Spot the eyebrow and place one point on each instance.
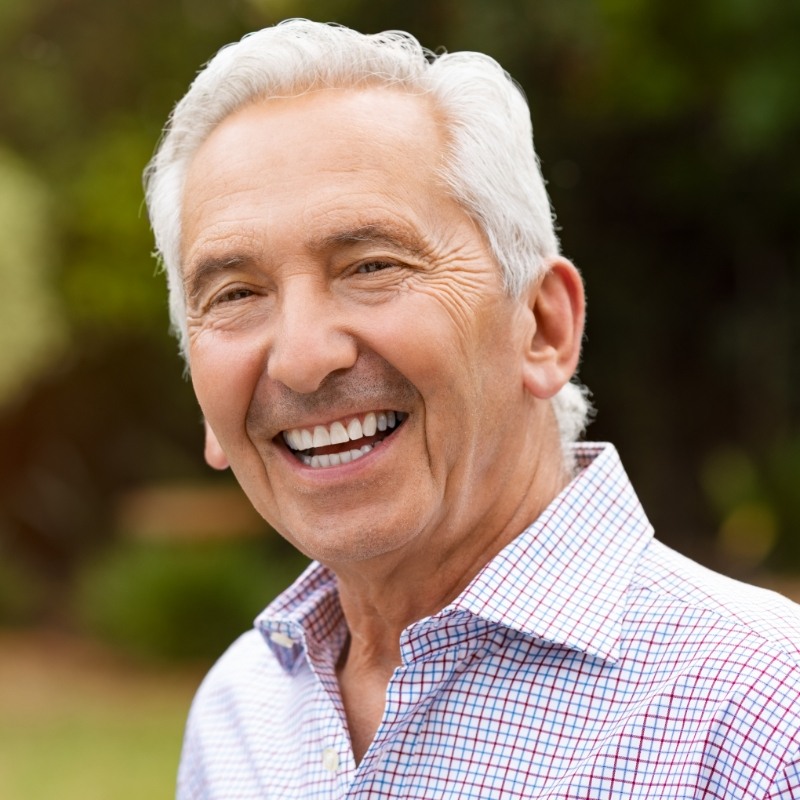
(208, 267)
(389, 235)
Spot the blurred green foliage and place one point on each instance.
(22, 594)
(33, 330)
(669, 139)
(182, 600)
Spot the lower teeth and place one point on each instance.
(335, 459)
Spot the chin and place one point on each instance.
(347, 543)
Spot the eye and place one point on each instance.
(373, 266)
(232, 296)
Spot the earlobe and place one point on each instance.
(214, 455)
(557, 305)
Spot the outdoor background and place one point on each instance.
(670, 138)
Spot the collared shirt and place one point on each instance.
(586, 660)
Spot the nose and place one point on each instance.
(310, 339)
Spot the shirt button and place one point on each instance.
(330, 759)
(281, 639)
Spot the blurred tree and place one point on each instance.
(33, 329)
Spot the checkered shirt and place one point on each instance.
(586, 660)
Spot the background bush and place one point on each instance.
(22, 594)
(182, 600)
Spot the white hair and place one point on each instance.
(491, 167)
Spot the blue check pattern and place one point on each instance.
(587, 660)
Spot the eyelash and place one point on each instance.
(373, 266)
(232, 295)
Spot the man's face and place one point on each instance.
(351, 346)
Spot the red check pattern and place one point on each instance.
(587, 660)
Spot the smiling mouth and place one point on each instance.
(342, 441)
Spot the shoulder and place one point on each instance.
(668, 582)
(241, 717)
(248, 693)
(715, 657)
(240, 676)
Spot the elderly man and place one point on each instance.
(381, 334)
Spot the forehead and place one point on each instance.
(323, 155)
(355, 128)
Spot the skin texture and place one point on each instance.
(329, 274)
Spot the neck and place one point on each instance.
(384, 596)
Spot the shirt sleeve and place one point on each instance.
(787, 783)
(191, 776)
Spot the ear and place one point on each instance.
(213, 451)
(557, 304)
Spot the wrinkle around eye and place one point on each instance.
(224, 312)
(462, 293)
(372, 279)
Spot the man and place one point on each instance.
(381, 335)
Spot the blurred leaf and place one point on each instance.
(110, 281)
(33, 333)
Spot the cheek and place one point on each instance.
(419, 339)
(458, 360)
(224, 380)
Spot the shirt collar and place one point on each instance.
(563, 579)
(305, 617)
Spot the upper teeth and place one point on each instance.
(339, 433)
